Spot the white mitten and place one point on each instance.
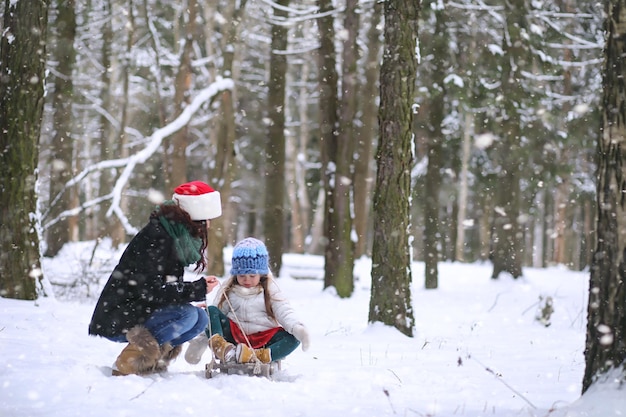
(300, 332)
(197, 347)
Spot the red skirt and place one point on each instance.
(257, 340)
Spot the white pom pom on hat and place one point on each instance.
(199, 200)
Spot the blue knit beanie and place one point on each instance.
(250, 257)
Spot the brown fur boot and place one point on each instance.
(141, 354)
(168, 354)
(223, 350)
(247, 355)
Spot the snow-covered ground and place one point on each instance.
(478, 350)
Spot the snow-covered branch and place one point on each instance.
(155, 140)
(153, 143)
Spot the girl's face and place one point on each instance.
(249, 280)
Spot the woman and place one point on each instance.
(251, 319)
(145, 302)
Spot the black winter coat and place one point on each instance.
(148, 276)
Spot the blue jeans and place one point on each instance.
(175, 324)
(280, 345)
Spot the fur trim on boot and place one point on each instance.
(141, 354)
(168, 355)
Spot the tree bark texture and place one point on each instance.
(342, 248)
(62, 146)
(297, 145)
(605, 346)
(363, 168)
(507, 249)
(432, 235)
(222, 172)
(328, 113)
(390, 301)
(180, 141)
(106, 225)
(22, 65)
(275, 145)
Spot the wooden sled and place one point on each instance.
(266, 370)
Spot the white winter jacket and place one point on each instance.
(248, 309)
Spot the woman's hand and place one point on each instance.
(211, 282)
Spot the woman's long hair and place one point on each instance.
(196, 229)
(264, 283)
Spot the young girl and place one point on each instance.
(145, 302)
(250, 318)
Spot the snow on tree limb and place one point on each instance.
(155, 140)
(153, 143)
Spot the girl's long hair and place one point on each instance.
(196, 229)
(264, 283)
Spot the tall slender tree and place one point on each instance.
(222, 172)
(390, 301)
(183, 84)
(606, 321)
(438, 50)
(329, 120)
(274, 224)
(62, 146)
(507, 249)
(106, 224)
(367, 133)
(341, 249)
(22, 65)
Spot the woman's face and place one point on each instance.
(249, 280)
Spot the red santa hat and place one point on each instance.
(199, 200)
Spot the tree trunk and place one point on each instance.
(561, 197)
(62, 146)
(316, 246)
(328, 99)
(118, 234)
(221, 175)
(106, 225)
(390, 301)
(363, 167)
(22, 66)
(341, 253)
(605, 346)
(589, 233)
(274, 222)
(180, 141)
(505, 240)
(432, 226)
(468, 131)
(297, 146)
(507, 250)
(296, 227)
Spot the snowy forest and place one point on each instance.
(278, 105)
(120, 73)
